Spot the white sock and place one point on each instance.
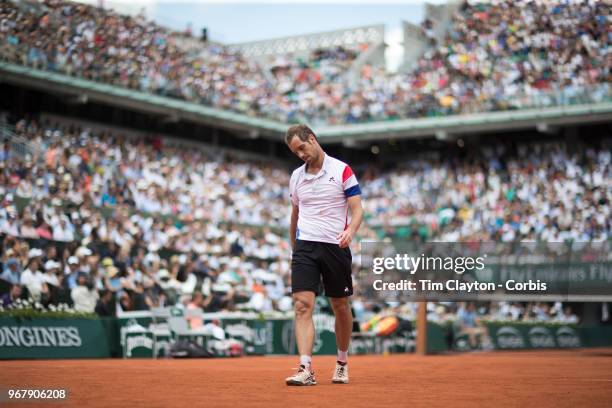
(342, 356)
(305, 360)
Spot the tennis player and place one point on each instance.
(322, 191)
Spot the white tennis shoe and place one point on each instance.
(341, 374)
(304, 376)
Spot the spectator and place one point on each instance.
(470, 324)
(125, 302)
(51, 270)
(221, 298)
(8, 299)
(193, 317)
(260, 301)
(153, 294)
(568, 316)
(105, 307)
(112, 279)
(12, 273)
(34, 280)
(70, 278)
(84, 295)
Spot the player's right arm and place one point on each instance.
(293, 226)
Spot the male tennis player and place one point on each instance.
(322, 191)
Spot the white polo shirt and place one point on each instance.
(322, 200)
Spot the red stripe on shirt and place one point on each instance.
(347, 173)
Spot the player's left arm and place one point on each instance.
(354, 203)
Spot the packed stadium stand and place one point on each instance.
(98, 220)
(159, 221)
(495, 56)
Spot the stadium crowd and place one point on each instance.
(467, 312)
(151, 224)
(105, 198)
(310, 87)
(100, 221)
(538, 192)
(498, 55)
(99, 45)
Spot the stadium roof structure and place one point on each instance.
(298, 44)
(368, 40)
(365, 132)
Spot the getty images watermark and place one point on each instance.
(496, 271)
(459, 265)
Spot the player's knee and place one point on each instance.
(302, 308)
(340, 305)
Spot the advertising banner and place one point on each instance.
(52, 338)
(512, 336)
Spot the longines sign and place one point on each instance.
(40, 336)
(52, 338)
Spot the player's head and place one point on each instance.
(303, 143)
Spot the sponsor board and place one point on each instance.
(568, 337)
(52, 338)
(509, 337)
(138, 344)
(532, 336)
(40, 336)
(541, 337)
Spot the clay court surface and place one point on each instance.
(580, 378)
